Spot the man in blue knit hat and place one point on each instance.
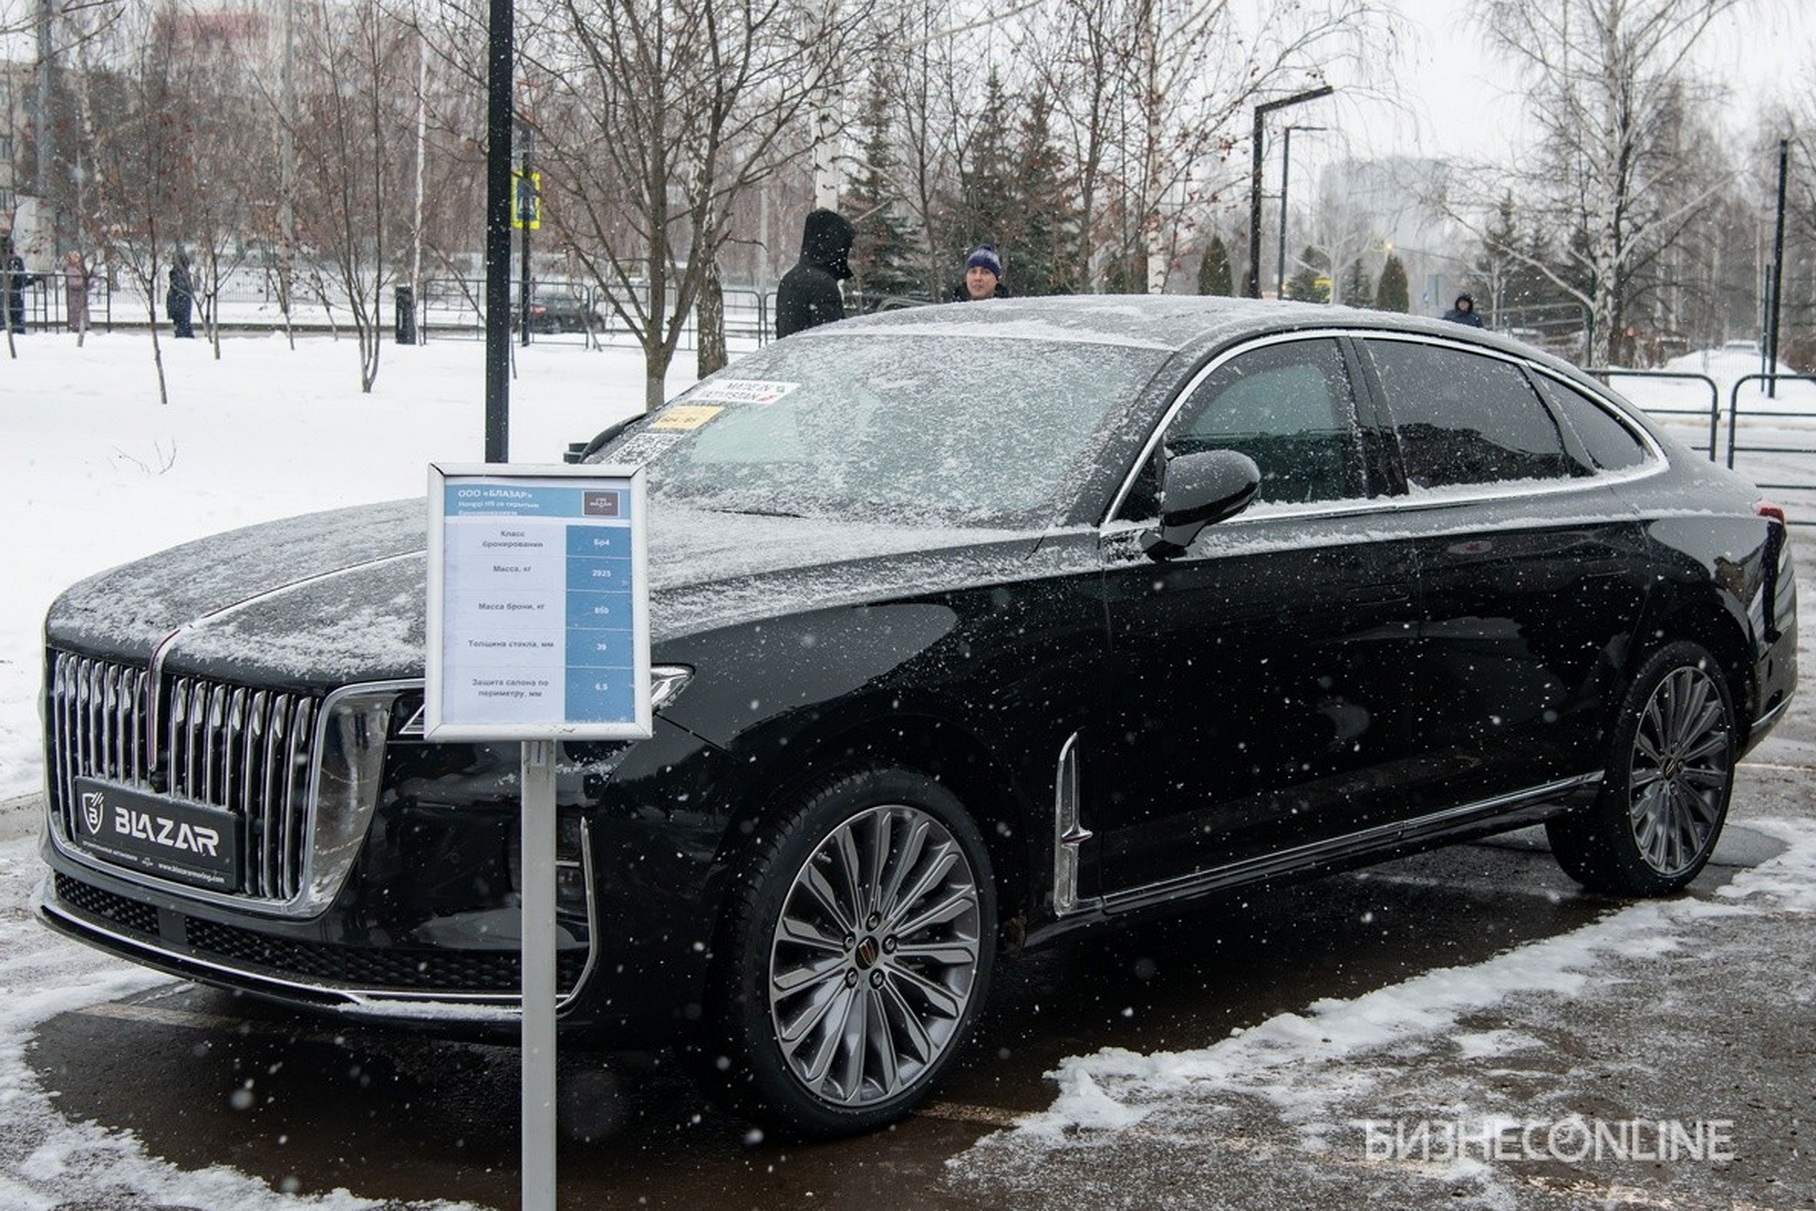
(983, 277)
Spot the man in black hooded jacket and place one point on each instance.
(1463, 311)
(809, 293)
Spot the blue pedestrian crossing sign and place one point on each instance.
(526, 200)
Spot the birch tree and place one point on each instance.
(1608, 82)
(1158, 94)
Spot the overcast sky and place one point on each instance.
(1466, 101)
(1460, 100)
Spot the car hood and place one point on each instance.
(329, 598)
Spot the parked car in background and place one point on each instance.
(553, 311)
(973, 627)
(870, 304)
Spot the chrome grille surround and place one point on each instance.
(300, 772)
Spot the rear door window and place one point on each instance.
(1610, 444)
(1465, 418)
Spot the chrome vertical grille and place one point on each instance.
(244, 750)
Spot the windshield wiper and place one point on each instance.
(760, 512)
(578, 452)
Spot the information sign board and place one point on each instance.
(538, 611)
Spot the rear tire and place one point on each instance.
(1665, 791)
(856, 955)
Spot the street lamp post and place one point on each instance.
(1252, 283)
(1286, 160)
(1771, 333)
(500, 51)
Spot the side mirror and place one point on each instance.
(1200, 490)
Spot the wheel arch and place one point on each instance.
(1715, 622)
(922, 741)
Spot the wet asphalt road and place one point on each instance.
(202, 1077)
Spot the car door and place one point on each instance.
(1256, 679)
(1531, 572)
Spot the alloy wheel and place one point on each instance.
(1682, 759)
(874, 956)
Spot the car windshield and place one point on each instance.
(904, 428)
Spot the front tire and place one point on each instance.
(856, 956)
(1665, 792)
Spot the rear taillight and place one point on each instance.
(1770, 511)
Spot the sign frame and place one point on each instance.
(442, 629)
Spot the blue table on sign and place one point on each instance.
(600, 648)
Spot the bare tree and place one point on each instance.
(134, 113)
(350, 189)
(225, 166)
(652, 117)
(1155, 96)
(1608, 81)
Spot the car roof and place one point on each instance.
(1182, 323)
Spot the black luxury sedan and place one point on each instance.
(972, 627)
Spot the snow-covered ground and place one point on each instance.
(100, 473)
(1539, 1078)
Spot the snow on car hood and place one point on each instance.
(329, 598)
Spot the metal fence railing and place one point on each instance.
(1776, 450)
(444, 307)
(456, 307)
(46, 303)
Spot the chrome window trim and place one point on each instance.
(1185, 393)
(1600, 396)
(1657, 463)
(310, 900)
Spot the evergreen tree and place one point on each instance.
(880, 253)
(1214, 270)
(1358, 288)
(1042, 229)
(1391, 293)
(986, 209)
(1310, 282)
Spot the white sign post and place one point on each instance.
(538, 631)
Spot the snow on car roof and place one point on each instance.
(1144, 321)
(1174, 322)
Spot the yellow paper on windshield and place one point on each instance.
(685, 416)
